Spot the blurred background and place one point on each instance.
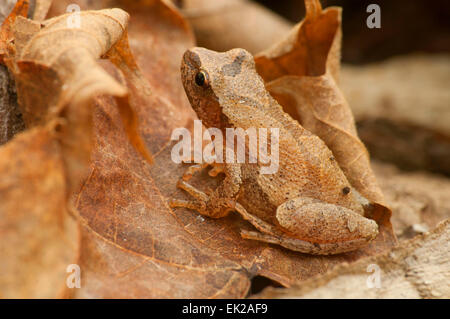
(407, 26)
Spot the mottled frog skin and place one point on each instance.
(308, 205)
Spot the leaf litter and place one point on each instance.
(130, 243)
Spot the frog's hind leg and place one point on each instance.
(295, 244)
(344, 229)
(257, 222)
(270, 234)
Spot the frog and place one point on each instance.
(307, 205)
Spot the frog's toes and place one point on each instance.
(368, 229)
(195, 205)
(194, 192)
(216, 170)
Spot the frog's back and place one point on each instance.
(306, 167)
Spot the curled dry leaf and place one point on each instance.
(38, 238)
(43, 166)
(58, 76)
(418, 268)
(301, 72)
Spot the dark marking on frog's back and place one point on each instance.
(234, 68)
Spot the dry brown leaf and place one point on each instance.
(301, 72)
(56, 94)
(312, 47)
(418, 268)
(58, 76)
(134, 245)
(38, 238)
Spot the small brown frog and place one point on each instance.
(307, 205)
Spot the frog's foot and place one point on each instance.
(202, 203)
(273, 235)
(194, 169)
(195, 205)
(198, 203)
(216, 170)
(200, 198)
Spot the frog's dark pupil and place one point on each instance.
(200, 78)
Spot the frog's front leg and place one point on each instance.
(221, 201)
(316, 227)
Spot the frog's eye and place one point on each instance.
(201, 79)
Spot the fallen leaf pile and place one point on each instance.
(86, 117)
